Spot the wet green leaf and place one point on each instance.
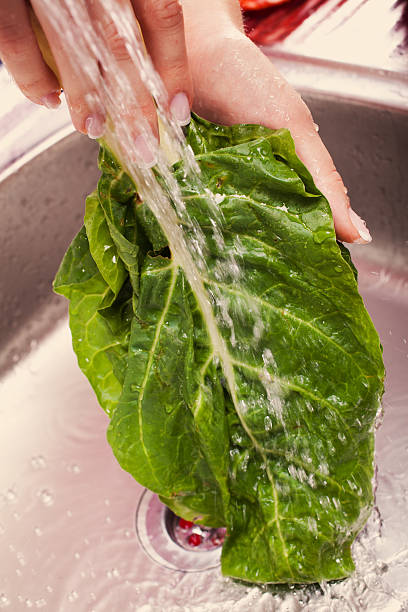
(274, 437)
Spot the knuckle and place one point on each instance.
(334, 177)
(35, 85)
(12, 40)
(144, 107)
(147, 110)
(137, 114)
(176, 75)
(116, 43)
(167, 14)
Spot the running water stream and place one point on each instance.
(114, 94)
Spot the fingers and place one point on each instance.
(313, 153)
(80, 85)
(162, 26)
(139, 104)
(163, 30)
(311, 150)
(22, 56)
(247, 88)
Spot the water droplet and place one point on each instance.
(74, 468)
(113, 573)
(4, 601)
(46, 497)
(21, 559)
(38, 462)
(72, 596)
(40, 603)
(320, 236)
(11, 496)
(268, 423)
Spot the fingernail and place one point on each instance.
(144, 151)
(180, 108)
(51, 100)
(95, 126)
(359, 224)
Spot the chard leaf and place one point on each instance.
(93, 340)
(169, 383)
(273, 436)
(101, 245)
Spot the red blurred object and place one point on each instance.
(255, 5)
(195, 539)
(183, 524)
(277, 23)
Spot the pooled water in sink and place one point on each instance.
(67, 510)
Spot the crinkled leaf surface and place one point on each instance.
(282, 454)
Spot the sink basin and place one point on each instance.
(78, 533)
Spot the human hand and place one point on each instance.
(234, 82)
(161, 22)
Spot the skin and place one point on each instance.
(205, 61)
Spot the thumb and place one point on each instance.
(247, 88)
(311, 150)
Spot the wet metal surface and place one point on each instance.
(67, 511)
(372, 33)
(69, 539)
(352, 49)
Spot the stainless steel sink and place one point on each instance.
(76, 532)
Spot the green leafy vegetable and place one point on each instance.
(280, 450)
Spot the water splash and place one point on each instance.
(113, 95)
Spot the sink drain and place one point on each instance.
(189, 536)
(174, 543)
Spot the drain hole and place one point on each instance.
(190, 536)
(173, 542)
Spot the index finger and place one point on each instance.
(22, 56)
(162, 25)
